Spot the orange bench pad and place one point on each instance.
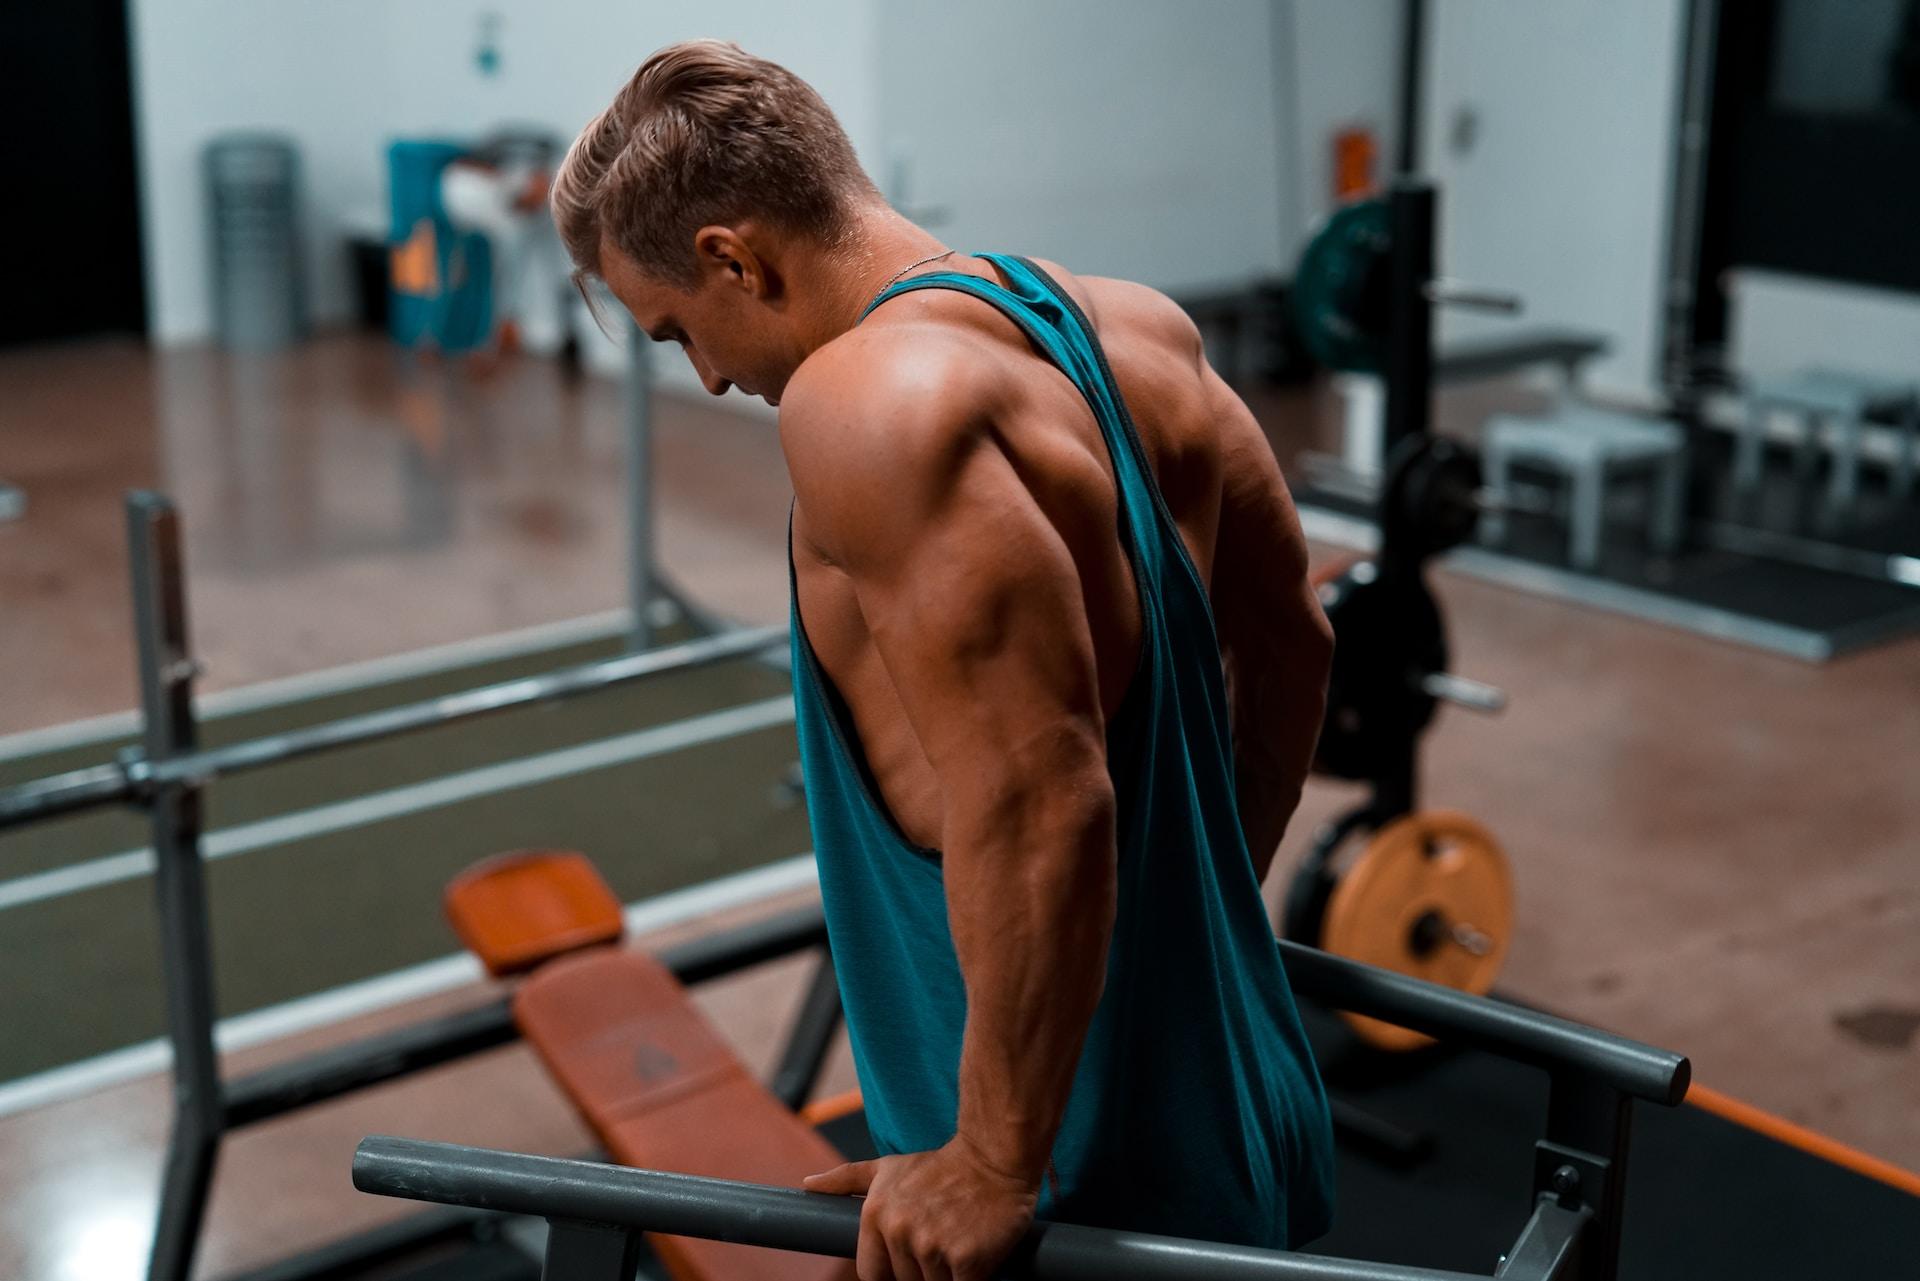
(664, 1092)
(516, 911)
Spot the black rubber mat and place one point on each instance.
(1707, 1200)
(1759, 582)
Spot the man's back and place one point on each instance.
(964, 352)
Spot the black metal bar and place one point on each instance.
(590, 1252)
(788, 1219)
(141, 775)
(812, 1035)
(432, 713)
(375, 1060)
(1643, 1071)
(1548, 1246)
(68, 793)
(1408, 365)
(166, 704)
(1686, 213)
(286, 1087)
(713, 956)
(1413, 42)
(1583, 1161)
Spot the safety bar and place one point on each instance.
(584, 1192)
(1511, 1031)
(134, 776)
(386, 1056)
(68, 793)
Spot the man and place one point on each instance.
(1041, 559)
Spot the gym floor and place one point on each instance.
(1712, 845)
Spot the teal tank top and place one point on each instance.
(1196, 1109)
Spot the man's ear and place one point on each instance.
(724, 253)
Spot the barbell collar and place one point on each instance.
(1475, 696)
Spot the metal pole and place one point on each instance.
(434, 713)
(1692, 138)
(1408, 368)
(166, 703)
(386, 1056)
(1413, 41)
(1573, 1050)
(585, 1192)
(1582, 1162)
(814, 1027)
(69, 793)
(639, 415)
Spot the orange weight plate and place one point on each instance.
(1430, 896)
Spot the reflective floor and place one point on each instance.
(342, 502)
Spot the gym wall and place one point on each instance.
(345, 77)
(1550, 129)
(1339, 65)
(1781, 322)
(1182, 153)
(1146, 148)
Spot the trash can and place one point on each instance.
(259, 302)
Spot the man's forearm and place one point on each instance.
(1031, 904)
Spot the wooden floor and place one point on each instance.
(1716, 850)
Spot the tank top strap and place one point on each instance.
(1062, 335)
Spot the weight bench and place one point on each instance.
(1589, 448)
(642, 1066)
(1848, 401)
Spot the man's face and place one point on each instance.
(729, 326)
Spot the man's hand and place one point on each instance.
(945, 1215)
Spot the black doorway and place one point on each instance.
(70, 252)
(1814, 166)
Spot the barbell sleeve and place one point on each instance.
(1475, 696)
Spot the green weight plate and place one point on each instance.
(1339, 291)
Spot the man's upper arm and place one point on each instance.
(970, 594)
(1260, 589)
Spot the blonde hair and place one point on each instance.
(704, 133)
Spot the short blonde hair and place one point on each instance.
(704, 133)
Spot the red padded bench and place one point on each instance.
(640, 1063)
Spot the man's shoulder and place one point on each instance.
(885, 417)
(903, 391)
(1118, 306)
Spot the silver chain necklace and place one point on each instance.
(910, 266)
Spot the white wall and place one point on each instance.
(1781, 323)
(1136, 140)
(1564, 195)
(1342, 69)
(345, 77)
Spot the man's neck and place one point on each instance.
(881, 246)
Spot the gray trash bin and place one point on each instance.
(253, 198)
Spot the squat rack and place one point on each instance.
(167, 775)
(596, 1213)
